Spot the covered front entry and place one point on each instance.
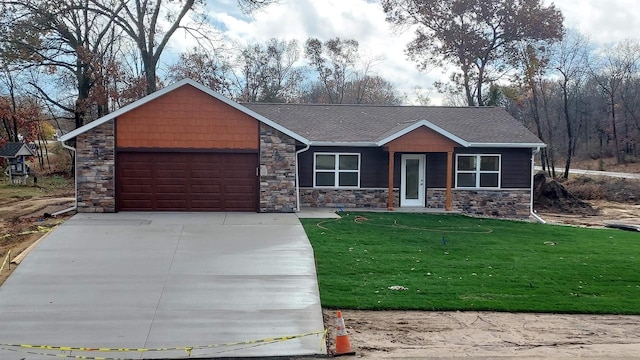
(412, 146)
(187, 181)
(412, 184)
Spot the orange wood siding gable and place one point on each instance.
(421, 139)
(187, 118)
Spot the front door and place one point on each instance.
(412, 184)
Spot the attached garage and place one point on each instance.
(186, 181)
(185, 148)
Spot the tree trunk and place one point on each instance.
(467, 86)
(619, 159)
(567, 119)
(536, 118)
(150, 77)
(480, 101)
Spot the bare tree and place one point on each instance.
(334, 61)
(616, 66)
(150, 24)
(477, 36)
(66, 41)
(141, 21)
(571, 62)
(534, 65)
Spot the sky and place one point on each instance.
(604, 22)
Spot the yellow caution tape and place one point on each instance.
(187, 349)
(65, 356)
(5, 260)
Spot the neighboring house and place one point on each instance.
(15, 153)
(187, 148)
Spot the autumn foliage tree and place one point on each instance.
(478, 37)
(204, 67)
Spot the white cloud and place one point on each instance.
(347, 19)
(602, 21)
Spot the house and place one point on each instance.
(187, 148)
(15, 153)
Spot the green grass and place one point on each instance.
(47, 185)
(454, 262)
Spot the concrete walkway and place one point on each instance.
(595, 173)
(156, 280)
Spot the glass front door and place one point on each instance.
(412, 187)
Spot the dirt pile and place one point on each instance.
(549, 194)
(625, 191)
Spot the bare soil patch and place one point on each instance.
(608, 211)
(487, 335)
(23, 221)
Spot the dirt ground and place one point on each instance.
(22, 222)
(491, 335)
(487, 335)
(609, 212)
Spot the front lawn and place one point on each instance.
(454, 262)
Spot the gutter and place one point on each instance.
(75, 179)
(531, 211)
(298, 176)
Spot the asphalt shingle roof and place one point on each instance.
(370, 124)
(11, 149)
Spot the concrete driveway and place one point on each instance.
(158, 280)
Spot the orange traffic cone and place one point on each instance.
(343, 345)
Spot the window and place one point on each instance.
(336, 170)
(478, 171)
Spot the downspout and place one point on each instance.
(531, 211)
(75, 178)
(298, 177)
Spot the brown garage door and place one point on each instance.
(186, 181)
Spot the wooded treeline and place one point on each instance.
(68, 62)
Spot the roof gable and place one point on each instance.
(419, 124)
(14, 149)
(168, 90)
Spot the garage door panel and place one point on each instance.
(206, 190)
(139, 205)
(187, 181)
(206, 173)
(137, 188)
(238, 190)
(171, 191)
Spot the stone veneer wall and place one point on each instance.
(503, 203)
(277, 171)
(95, 152)
(346, 198)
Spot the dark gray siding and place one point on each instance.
(436, 170)
(516, 165)
(373, 165)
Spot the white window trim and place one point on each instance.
(336, 170)
(478, 172)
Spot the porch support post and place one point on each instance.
(448, 200)
(391, 166)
